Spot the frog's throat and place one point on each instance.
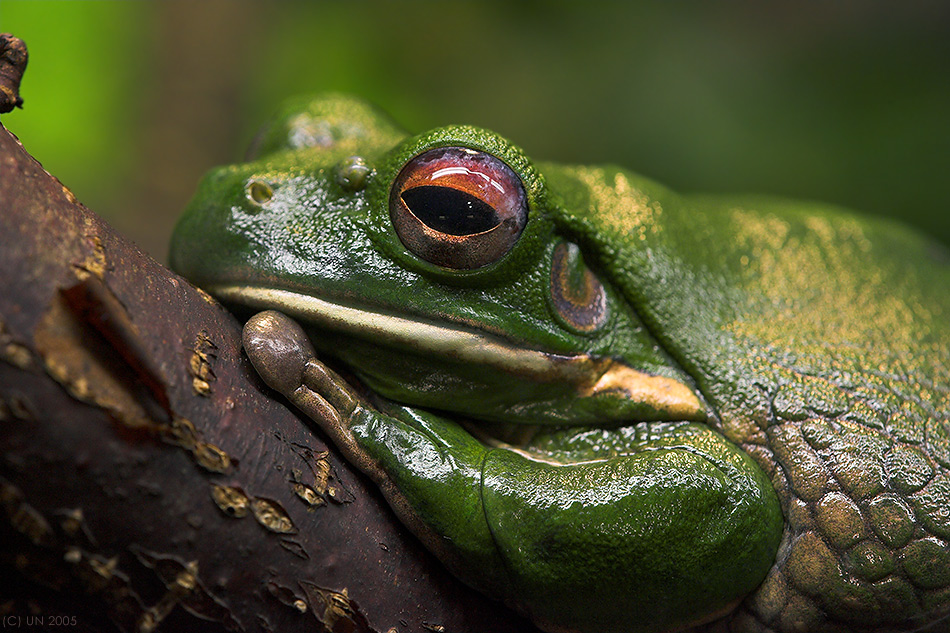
(590, 376)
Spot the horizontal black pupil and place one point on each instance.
(449, 210)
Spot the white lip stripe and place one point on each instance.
(452, 342)
(589, 376)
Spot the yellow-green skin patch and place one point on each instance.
(823, 341)
(817, 340)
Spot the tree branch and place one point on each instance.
(148, 475)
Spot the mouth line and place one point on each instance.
(589, 375)
(453, 342)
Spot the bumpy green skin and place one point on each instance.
(823, 341)
(674, 528)
(820, 342)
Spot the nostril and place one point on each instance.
(259, 192)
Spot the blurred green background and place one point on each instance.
(128, 103)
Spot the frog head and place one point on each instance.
(440, 268)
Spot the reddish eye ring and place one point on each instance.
(458, 208)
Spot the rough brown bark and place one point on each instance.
(148, 480)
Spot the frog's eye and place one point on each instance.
(458, 207)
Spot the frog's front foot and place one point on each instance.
(285, 359)
(375, 442)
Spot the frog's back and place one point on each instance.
(822, 340)
(839, 356)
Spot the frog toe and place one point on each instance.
(278, 348)
(283, 356)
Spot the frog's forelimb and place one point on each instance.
(536, 533)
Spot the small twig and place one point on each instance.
(13, 58)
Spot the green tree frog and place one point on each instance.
(613, 407)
